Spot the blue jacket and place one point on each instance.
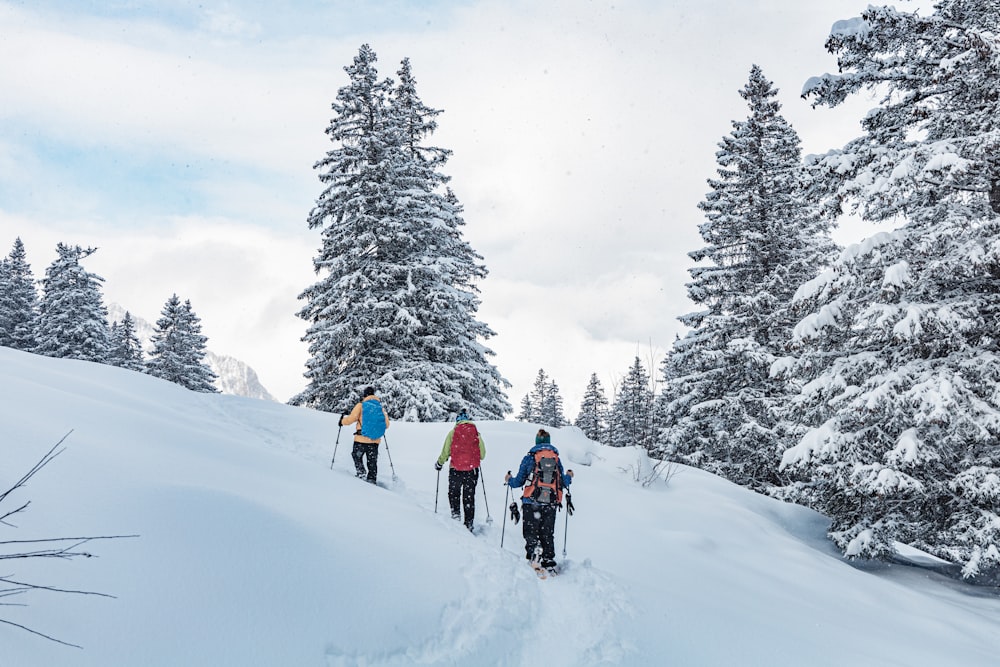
(528, 465)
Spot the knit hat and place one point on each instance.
(462, 416)
(542, 437)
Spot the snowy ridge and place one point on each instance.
(252, 551)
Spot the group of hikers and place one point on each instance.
(540, 473)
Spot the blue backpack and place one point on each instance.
(372, 419)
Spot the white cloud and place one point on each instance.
(582, 138)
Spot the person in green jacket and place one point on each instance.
(465, 447)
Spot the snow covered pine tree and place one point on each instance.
(764, 238)
(18, 300)
(72, 320)
(543, 405)
(632, 414)
(179, 348)
(126, 350)
(593, 416)
(900, 348)
(396, 304)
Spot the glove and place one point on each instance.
(515, 515)
(569, 504)
(340, 422)
(438, 466)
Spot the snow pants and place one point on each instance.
(369, 451)
(539, 525)
(462, 494)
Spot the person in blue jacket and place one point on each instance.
(541, 473)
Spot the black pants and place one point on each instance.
(365, 450)
(539, 526)
(462, 493)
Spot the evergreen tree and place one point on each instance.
(632, 414)
(594, 414)
(72, 320)
(5, 325)
(18, 300)
(126, 349)
(763, 238)
(179, 348)
(551, 410)
(898, 355)
(396, 305)
(543, 405)
(527, 413)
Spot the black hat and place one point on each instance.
(369, 391)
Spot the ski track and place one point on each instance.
(507, 610)
(584, 609)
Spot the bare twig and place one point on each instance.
(3, 518)
(651, 470)
(25, 586)
(40, 634)
(45, 460)
(57, 547)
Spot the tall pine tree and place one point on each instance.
(527, 413)
(550, 411)
(763, 239)
(72, 319)
(126, 349)
(179, 348)
(898, 354)
(632, 413)
(18, 300)
(396, 303)
(593, 416)
(543, 404)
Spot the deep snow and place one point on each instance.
(252, 551)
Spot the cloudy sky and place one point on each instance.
(178, 136)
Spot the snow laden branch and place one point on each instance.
(54, 547)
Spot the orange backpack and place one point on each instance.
(545, 484)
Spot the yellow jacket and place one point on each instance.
(355, 416)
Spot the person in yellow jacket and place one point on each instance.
(372, 422)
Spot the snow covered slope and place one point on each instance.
(252, 551)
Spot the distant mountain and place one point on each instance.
(234, 376)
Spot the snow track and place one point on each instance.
(502, 611)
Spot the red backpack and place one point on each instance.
(465, 447)
(545, 484)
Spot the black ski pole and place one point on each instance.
(569, 510)
(437, 489)
(505, 497)
(391, 467)
(340, 426)
(489, 519)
